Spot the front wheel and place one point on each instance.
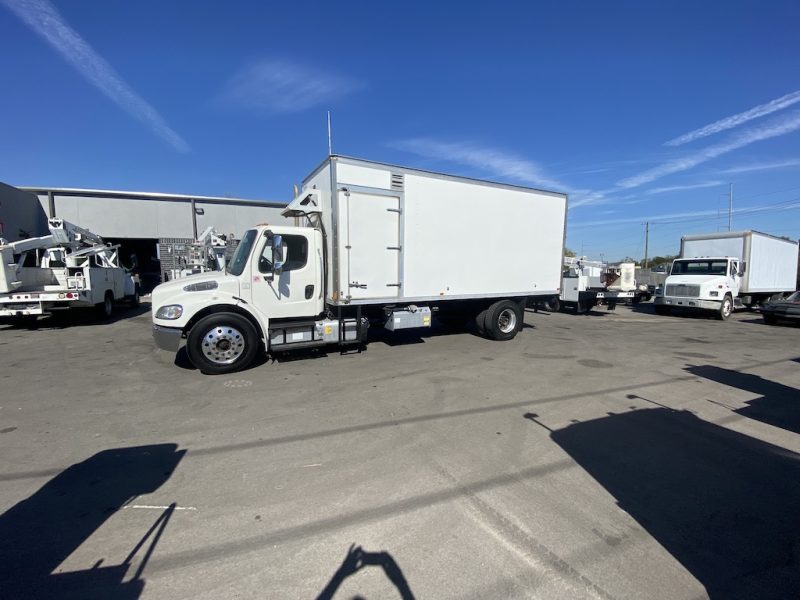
(769, 319)
(503, 320)
(662, 310)
(725, 309)
(222, 343)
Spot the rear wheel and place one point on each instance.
(222, 343)
(106, 308)
(554, 304)
(503, 320)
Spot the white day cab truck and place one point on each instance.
(382, 245)
(70, 268)
(720, 272)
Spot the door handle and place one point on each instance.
(309, 291)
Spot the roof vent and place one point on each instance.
(398, 181)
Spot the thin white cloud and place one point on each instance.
(279, 86)
(497, 163)
(739, 119)
(777, 127)
(655, 219)
(45, 20)
(681, 188)
(782, 164)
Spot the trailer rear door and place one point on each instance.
(371, 235)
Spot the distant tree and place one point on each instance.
(661, 260)
(568, 252)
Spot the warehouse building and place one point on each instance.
(142, 223)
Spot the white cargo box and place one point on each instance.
(400, 234)
(770, 262)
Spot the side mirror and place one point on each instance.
(278, 253)
(742, 268)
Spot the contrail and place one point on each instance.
(739, 119)
(775, 128)
(44, 19)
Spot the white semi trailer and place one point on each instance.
(719, 272)
(71, 267)
(382, 244)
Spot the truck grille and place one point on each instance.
(681, 289)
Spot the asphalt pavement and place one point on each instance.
(613, 455)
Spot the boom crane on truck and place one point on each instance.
(71, 267)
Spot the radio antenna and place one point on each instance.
(330, 144)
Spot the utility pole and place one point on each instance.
(646, 241)
(730, 207)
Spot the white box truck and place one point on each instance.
(380, 244)
(719, 272)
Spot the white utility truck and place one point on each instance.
(71, 267)
(207, 253)
(382, 244)
(719, 272)
(587, 283)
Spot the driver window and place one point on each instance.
(296, 254)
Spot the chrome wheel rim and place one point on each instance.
(507, 320)
(223, 344)
(726, 308)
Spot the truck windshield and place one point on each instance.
(242, 252)
(700, 267)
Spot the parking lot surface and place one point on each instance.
(613, 455)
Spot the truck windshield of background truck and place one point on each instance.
(242, 252)
(700, 267)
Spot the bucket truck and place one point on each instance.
(71, 267)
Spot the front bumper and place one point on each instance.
(680, 302)
(167, 338)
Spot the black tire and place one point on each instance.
(136, 299)
(503, 320)
(769, 319)
(554, 304)
(662, 310)
(725, 309)
(105, 309)
(480, 321)
(222, 343)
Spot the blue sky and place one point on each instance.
(639, 110)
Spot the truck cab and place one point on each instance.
(275, 276)
(702, 283)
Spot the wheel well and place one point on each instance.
(219, 308)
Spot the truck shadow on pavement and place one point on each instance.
(357, 558)
(42, 531)
(76, 317)
(723, 504)
(779, 404)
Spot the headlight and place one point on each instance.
(170, 312)
(200, 287)
(714, 294)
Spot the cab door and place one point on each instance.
(294, 291)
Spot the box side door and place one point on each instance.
(370, 236)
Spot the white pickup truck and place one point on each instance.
(720, 272)
(382, 244)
